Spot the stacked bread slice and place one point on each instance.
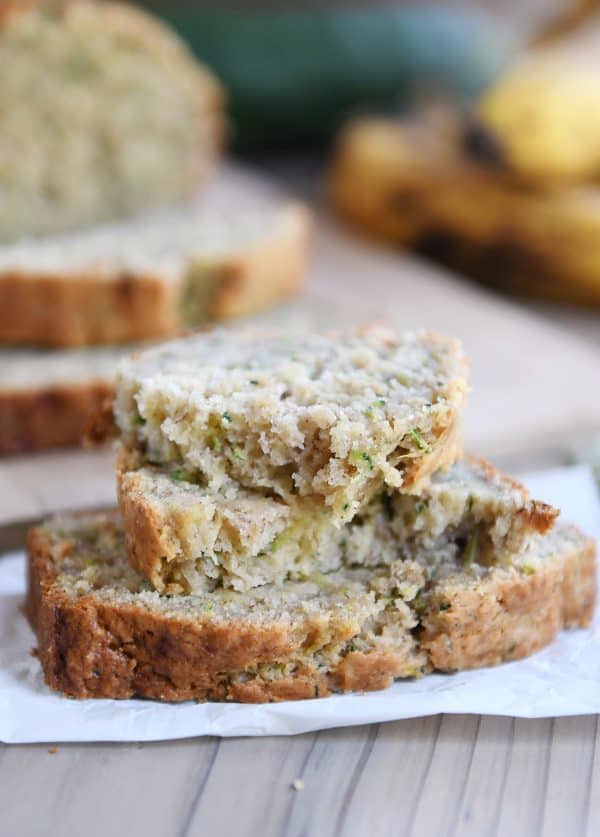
(109, 233)
(137, 280)
(297, 519)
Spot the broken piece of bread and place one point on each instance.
(323, 422)
(186, 538)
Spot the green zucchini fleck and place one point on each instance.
(358, 457)
(214, 442)
(471, 550)
(180, 475)
(419, 441)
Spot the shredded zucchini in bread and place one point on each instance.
(186, 538)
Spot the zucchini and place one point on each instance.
(294, 74)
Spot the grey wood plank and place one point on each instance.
(458, 775)
(521, 814)
(134, 789)
(249, 789)
(479, 806)
(443, 784)
(569, 777)
(330, 775)
(382, 798)
(593, 802)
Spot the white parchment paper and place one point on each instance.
(563, 679)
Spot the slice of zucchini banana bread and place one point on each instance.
(183, 537)
(102, 632)
(155, 275)
(321, 421)
(49, 398)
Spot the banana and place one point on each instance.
(543, 118)
(403, 182)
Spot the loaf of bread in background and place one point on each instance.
(191, 269)
(103, 112)
(48, 398)
(236, 248)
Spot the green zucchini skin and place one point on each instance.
(293, 75)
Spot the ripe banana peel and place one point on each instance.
(417, 183)
(543, 118)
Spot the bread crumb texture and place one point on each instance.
(186, 538)
(320, 421)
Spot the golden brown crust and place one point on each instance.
(47, 417)
(268, 272)
(539, 516)
(511, 615)
(85, 309)
(579, 588)
(303, 685)
(377, 669)
(91, 648)
(447, 450)
(93, 308)
(143, 532)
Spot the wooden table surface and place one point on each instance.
(449, 775)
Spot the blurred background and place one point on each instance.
(497, 100)
(448, 152)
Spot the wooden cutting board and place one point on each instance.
(535, 387)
